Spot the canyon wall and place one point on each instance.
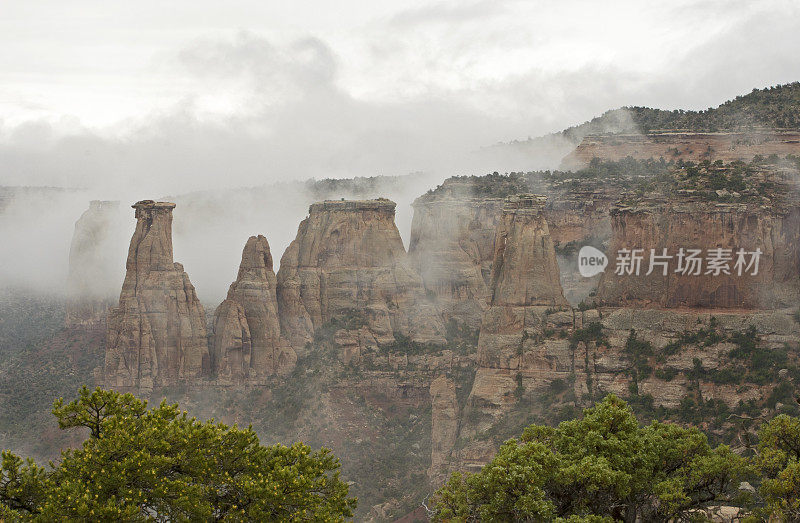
(452, 247)
(157, 333)
(704, 227)
(348, 266)
(687, 146)
(92, 272)
(247, 344)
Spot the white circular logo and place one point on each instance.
(591, 261)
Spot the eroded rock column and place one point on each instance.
(93, 271)
(526, 302)
(247, 342)
(157, 334)
(348, 266)
(452, 246)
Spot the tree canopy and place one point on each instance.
(159, 464)
(603, 467)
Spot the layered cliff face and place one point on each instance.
(157, 334)
(444, 428)
(347, 266)
(92, 269)
(526, 297)
(452, 246)
(247, 342)
(687, 146)
(524, 270)
(668, 232)
(579, 217)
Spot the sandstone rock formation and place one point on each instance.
(687, 146)
(524, 270)
(452, 246)
(579, 217)
(444, 430)
(247, 342)
(348, 266)
(706, 226)
(157, 334)
(92, 269)
(526, 299)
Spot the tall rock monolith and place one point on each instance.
(157, 335)
(347, 269)
(93, 271)
(247, 344)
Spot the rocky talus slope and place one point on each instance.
(348, 265)
(91, 273)
(157, 334)
(247, 344)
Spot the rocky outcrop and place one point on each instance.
(526, 300)
(347, 269)
(703, 226)
(444, 429)
(687, 146)
(579, 217)
(247, 344)
(524, 271)
(92, 272)
(157, 334)
(452, 246)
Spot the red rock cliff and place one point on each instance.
(687, 146)
(705, 226)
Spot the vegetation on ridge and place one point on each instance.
(158, 464)
(606, 467)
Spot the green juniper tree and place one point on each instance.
(603, 467)
(159, 464)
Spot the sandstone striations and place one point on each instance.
(687, 146)
(444, 430)
(452, 246)
(665, 278)
(524, 270)
(247, 342)
(347, 268)
(157, 334)
(525, 297)
(92, 272)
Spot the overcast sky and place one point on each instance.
(190, 94)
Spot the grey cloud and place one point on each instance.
(448, 12)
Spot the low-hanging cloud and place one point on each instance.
(265, 109)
